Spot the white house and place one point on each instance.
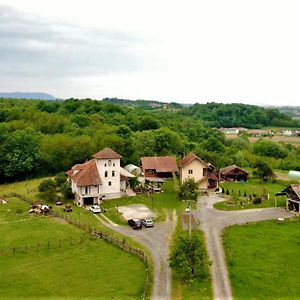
(191, 166)
(99, 178)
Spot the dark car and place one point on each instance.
(135, 223)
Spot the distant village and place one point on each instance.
(260, 132)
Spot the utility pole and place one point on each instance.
(190, 220)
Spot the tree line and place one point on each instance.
(41, 138)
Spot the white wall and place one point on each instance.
(197, 168)
(114, 165)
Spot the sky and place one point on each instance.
(184, 51)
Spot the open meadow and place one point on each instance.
(262, 259)
(45, 257)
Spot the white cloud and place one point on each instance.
(230, 51)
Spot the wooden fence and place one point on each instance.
(15, 195)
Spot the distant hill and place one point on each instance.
(35, 96)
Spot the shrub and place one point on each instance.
(188, 190)
(227, 192)
(257, 200)
(47, 185)
(189, 258)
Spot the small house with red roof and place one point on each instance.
(191, 166)
(99, 178)
(158, 167)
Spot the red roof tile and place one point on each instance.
(189, 158)
(162, 164)
(107, 153)
(87, 175)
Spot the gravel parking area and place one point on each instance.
(133, 211)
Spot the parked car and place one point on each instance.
(135, 223)
(95, 209)
(148, 222)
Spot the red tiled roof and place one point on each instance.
(162, 164)
(189, 158)
(107, 153)
(88, 174)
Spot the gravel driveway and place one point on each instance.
(212, 222)
(157, 241)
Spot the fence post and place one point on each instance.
(26, 248)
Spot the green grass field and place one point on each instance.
(88, 268)
(263, 260)
(26, 188)
(250, 187)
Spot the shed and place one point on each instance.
(233, 173)
(293, 197)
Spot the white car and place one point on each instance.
(148, 223)
(95, 209)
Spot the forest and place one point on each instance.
(41, 138)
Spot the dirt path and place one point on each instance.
(157, 241)
(212, 222)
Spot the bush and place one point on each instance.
(227, 192)
(188, 258)
(257, 200)
(188, 190)
(47, 185)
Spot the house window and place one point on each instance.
(113, 173)
(114, 164)
(204, 172)
(105, 173)
(86, 190)
(190, 172)
(109, 183)
(109, 163)
(105, 165)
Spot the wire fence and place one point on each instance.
(41, 246)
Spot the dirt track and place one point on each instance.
(157, 241)
(212, 222)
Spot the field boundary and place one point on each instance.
(39, 246)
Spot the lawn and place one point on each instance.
(27, 188)
(263, 260)
(87, 268)
(253, 186)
